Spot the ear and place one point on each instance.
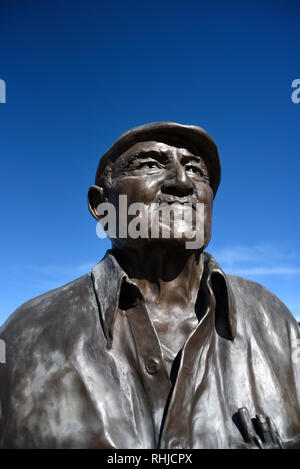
(95, 197)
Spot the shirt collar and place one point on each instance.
(108, 277)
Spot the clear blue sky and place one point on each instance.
(79, 73)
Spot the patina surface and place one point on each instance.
(157, 347)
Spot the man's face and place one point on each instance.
(154, 173)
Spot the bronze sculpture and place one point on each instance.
(156, 347)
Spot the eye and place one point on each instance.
(148, 164)
(193, 170)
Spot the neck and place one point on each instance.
(167, 275)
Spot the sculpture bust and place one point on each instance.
(157, 347)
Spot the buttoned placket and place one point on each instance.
(169, 419)
(195, 352)
(150, 357)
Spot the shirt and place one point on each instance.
(83, 372)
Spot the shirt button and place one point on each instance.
(152, 366)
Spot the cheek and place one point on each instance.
(204, 195)
(207, 221)
(121, 187)
(137, 189)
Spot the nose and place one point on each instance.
(177, 181)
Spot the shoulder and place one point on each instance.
(53, 307)
(258, 303)
(45, 334)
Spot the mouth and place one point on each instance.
(177, 200)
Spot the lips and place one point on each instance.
(177, 200)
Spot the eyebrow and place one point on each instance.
(162, 157)
(187, 158)
(158, 155)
